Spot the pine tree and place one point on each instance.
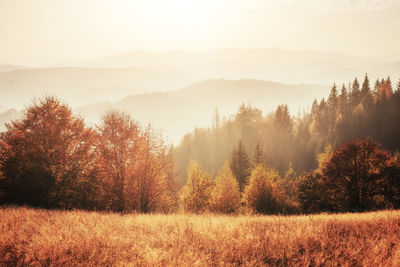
(365, 89)
(240, 165)
(283, 120)
(366, 95)
(258, 157)
(343, 100)
(314, 108)
(389, 83)
(355, 93)
(376, 87)
(332, 104)
(332, 99)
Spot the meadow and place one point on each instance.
(37, 237)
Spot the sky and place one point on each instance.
(42, 32)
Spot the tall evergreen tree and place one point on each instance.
(343, 100)
(332, 103)
(258, 157)
(389, 83)
(283, 120)
(366, 95)
(314, 108)
(332, 99)
(355, 93)
(365, 89)
(240, 165)
(376, 87)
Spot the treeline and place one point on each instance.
(322, 160)
(352, 112)
(358, 176)
(51, 159)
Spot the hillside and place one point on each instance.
(140, 71)
(79, 86)
(78, 238)
(265, 64)
(180, 111)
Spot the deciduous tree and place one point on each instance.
(225, 197)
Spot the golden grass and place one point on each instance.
(54, 238)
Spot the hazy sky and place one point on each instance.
(49, 31)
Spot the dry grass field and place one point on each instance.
(77, 238)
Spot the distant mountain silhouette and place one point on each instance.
(180, 111)
(266, 64)
(111, 78)
(81, 85)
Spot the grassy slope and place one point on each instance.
(39, 237)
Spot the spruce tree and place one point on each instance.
(376, 87)
(332, 103)
(343, 100)
(258, 157)
(240, 165)
(355, 93)
(365, 89)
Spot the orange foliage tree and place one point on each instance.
(47, 158)
(136, 166)
(225, 196)
(263, 193)
(196, 194)
(360, 176)
(118, 146)
(154, 185)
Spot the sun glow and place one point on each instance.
(169, 20)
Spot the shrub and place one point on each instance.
(225, 197)
(263, 194)
(197, 191)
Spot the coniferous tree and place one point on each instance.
(355, 93)
(258, 157)
(314, 108)
(332, 99)
(376, 87)
(332, 106)
(365, 89)
(343, 103)
(240, 165)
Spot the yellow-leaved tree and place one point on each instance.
(197, 191)
(225, 197)
(263, 193)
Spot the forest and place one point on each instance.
(342, 154)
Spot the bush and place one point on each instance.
(197, 191)
(225, 197)
(263, 194)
